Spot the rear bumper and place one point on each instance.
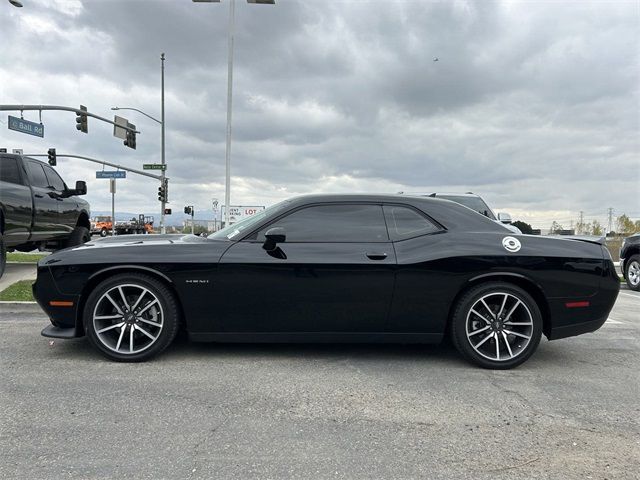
(577, 328)
(569, 319)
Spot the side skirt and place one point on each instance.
(314, 337)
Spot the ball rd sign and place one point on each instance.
(237, 213)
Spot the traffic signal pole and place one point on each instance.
(77, 111)
(163, 204)
(102, 162)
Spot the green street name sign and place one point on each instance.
(153, 166)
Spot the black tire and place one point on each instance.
(168, 307)
(104, 232)
(632, 272)
(3, 255)
(78, 236)
(465, 324)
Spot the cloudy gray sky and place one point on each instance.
(534, 105)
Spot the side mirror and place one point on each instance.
(504, 217)
(273, 237)
(81, 188)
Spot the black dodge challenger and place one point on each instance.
(333, 268)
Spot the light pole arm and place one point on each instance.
(139, 111)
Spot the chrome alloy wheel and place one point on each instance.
(128, 319)
(499, 326)
(633, 273)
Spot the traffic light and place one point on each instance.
(162, 193)
(167, 211)
(81, 121)
(131, 137)
(188, 210)
(51, 153)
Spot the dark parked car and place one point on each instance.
(333, 268)
(630, 261)
(37, 209)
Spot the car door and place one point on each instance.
(15, 197)
(45, 204)
(334, 273)
(67, 207)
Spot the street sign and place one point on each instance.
(153, 166)
(25, 126)
(111, 174)
(118, 131)
(239, 212)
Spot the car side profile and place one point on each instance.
(37, 209)
(333, 268)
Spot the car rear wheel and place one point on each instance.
(632, 273)
(496, 325)
(131, 317)
(103, 232)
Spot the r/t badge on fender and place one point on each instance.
(511, 244)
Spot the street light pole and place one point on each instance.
(227, 183)
(232, 11)
(163, 204)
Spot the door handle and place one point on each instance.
(377, 256)
(37, 195)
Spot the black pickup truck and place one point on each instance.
(37, 209)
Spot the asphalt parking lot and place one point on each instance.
(309, 411)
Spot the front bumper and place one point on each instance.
(63, 316)
(56, 332)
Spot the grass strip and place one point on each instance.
(18, 292)
(25, 257)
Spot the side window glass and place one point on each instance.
(404, 222)
(54, 179)
(9, 170)
(333, 223)
(38, 178)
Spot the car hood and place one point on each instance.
(141, 249)
(150, 239)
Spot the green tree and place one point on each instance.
(524, 227)
(596, 228)
(625, 226)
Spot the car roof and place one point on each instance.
(449, 214)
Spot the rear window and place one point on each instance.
(38, 178)
(405, 222)
(9, 170)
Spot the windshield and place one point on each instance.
(234, 231)
(474, 203)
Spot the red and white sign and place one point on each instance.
(240, 212)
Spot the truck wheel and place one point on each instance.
(3, 255)
(103, 232)
(79, 236)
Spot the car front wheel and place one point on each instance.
(496, 325)
(632, 273)
(131, 317)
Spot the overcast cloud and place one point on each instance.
(533, 105)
